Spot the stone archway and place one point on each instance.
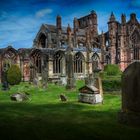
(9, 56)
(42, 42)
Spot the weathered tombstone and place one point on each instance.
(19, 97)
(130, 112)
(36, 81)
(89, 94)
(63, 80)
(63, 98)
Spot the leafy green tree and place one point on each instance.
(14, 75)
(112, 69)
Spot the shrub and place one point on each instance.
(112, 69)
(14, 75)
(112, 85)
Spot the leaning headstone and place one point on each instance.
(63, 98)
(130, 112)
(19, 97)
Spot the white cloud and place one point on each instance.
(43, 12)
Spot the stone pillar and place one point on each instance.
(59, 29)
(98, 85)
(76, 27)
(102, 50)
(112, 27)
(63, 69)
(89, 80)
(50, 67)
(49, 40)
(69, 62)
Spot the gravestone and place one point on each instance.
(63, 80)
(19, 97)
(130, 112)
(89, 94)
(36, 82)
(63, 98)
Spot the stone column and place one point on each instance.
(89, 78)
(69, 62)
(102, 50)
(50, 67)
(63, 68)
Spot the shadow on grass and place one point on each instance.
(64, 121)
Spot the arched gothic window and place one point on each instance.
(135, 45)
(42, 41)
(57, 63)
(78, 63)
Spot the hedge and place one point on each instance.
(112, 69)
(112, 85)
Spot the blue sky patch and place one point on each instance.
(20, 20)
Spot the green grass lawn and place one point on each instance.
(45, 117)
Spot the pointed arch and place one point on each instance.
(135, 42)
(36, 58)
(78, 62)
(58, 62)
(42, 41)
(9, 56)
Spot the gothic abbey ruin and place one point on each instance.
(119, 45)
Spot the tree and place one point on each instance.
(14, 75)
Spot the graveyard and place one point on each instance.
(69, 70)
(45, 116)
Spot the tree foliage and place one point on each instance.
(14, 75)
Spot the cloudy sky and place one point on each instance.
(20, 19)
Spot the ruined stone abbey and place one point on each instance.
(119, 45)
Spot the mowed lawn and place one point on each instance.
(45, 117)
